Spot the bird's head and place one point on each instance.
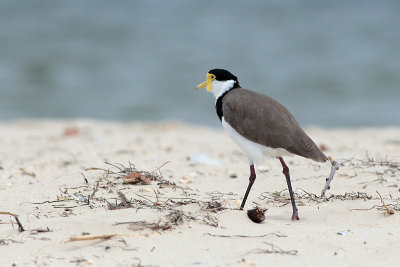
(219, 81)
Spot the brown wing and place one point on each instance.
(265, 121)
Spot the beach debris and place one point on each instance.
(20, 227)
(7, 241)
(283, 198)
(257, 214)
(213, 206)
(248, 263)
(185, 180)
(40, 231)
(385, 171)
(277, 234)
(147, 190)
(28, 173)
(95, 189)
(158, 168)
(273, 249)
(199, 158)
(169, 221)
(388, 210)
(126, 203)
(81, 260)
(157, 226)
(83, 200)
(94, 237)
(136, 177)
(342, 233)
(70, 131)
(109, 191)
(233, 175)
(131, 175)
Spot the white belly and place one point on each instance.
(254, 151)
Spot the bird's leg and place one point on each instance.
(334, 168)
(252, 178)
(289, 184)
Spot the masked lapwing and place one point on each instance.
(261, 126)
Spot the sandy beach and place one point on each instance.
(66, 181)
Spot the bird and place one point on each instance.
(262, 127)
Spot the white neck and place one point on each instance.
(220, 87)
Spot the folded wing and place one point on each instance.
(265, 121)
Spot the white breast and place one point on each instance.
(254, 151)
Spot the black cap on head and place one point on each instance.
(224, 75)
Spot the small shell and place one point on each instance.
(257, 215)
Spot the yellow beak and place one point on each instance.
(208, 82)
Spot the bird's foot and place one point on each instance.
(295, 215)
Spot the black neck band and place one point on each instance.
(218, 104)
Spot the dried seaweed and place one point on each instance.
(283, 197)
(126, 203)
(389, 208)
(156, 226)
(106, 191)
(169, 221)
(213, 206)
(383, 168)
(273, 249)
(120, 171)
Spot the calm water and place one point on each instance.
(335, 63)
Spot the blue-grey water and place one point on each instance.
(332, 63)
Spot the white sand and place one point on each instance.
(40, 161)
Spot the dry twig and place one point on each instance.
(125, 201)
(277, 234)
(388, 210)
(20, 227)
(94, 237)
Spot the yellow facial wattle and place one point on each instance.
(207, 83)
